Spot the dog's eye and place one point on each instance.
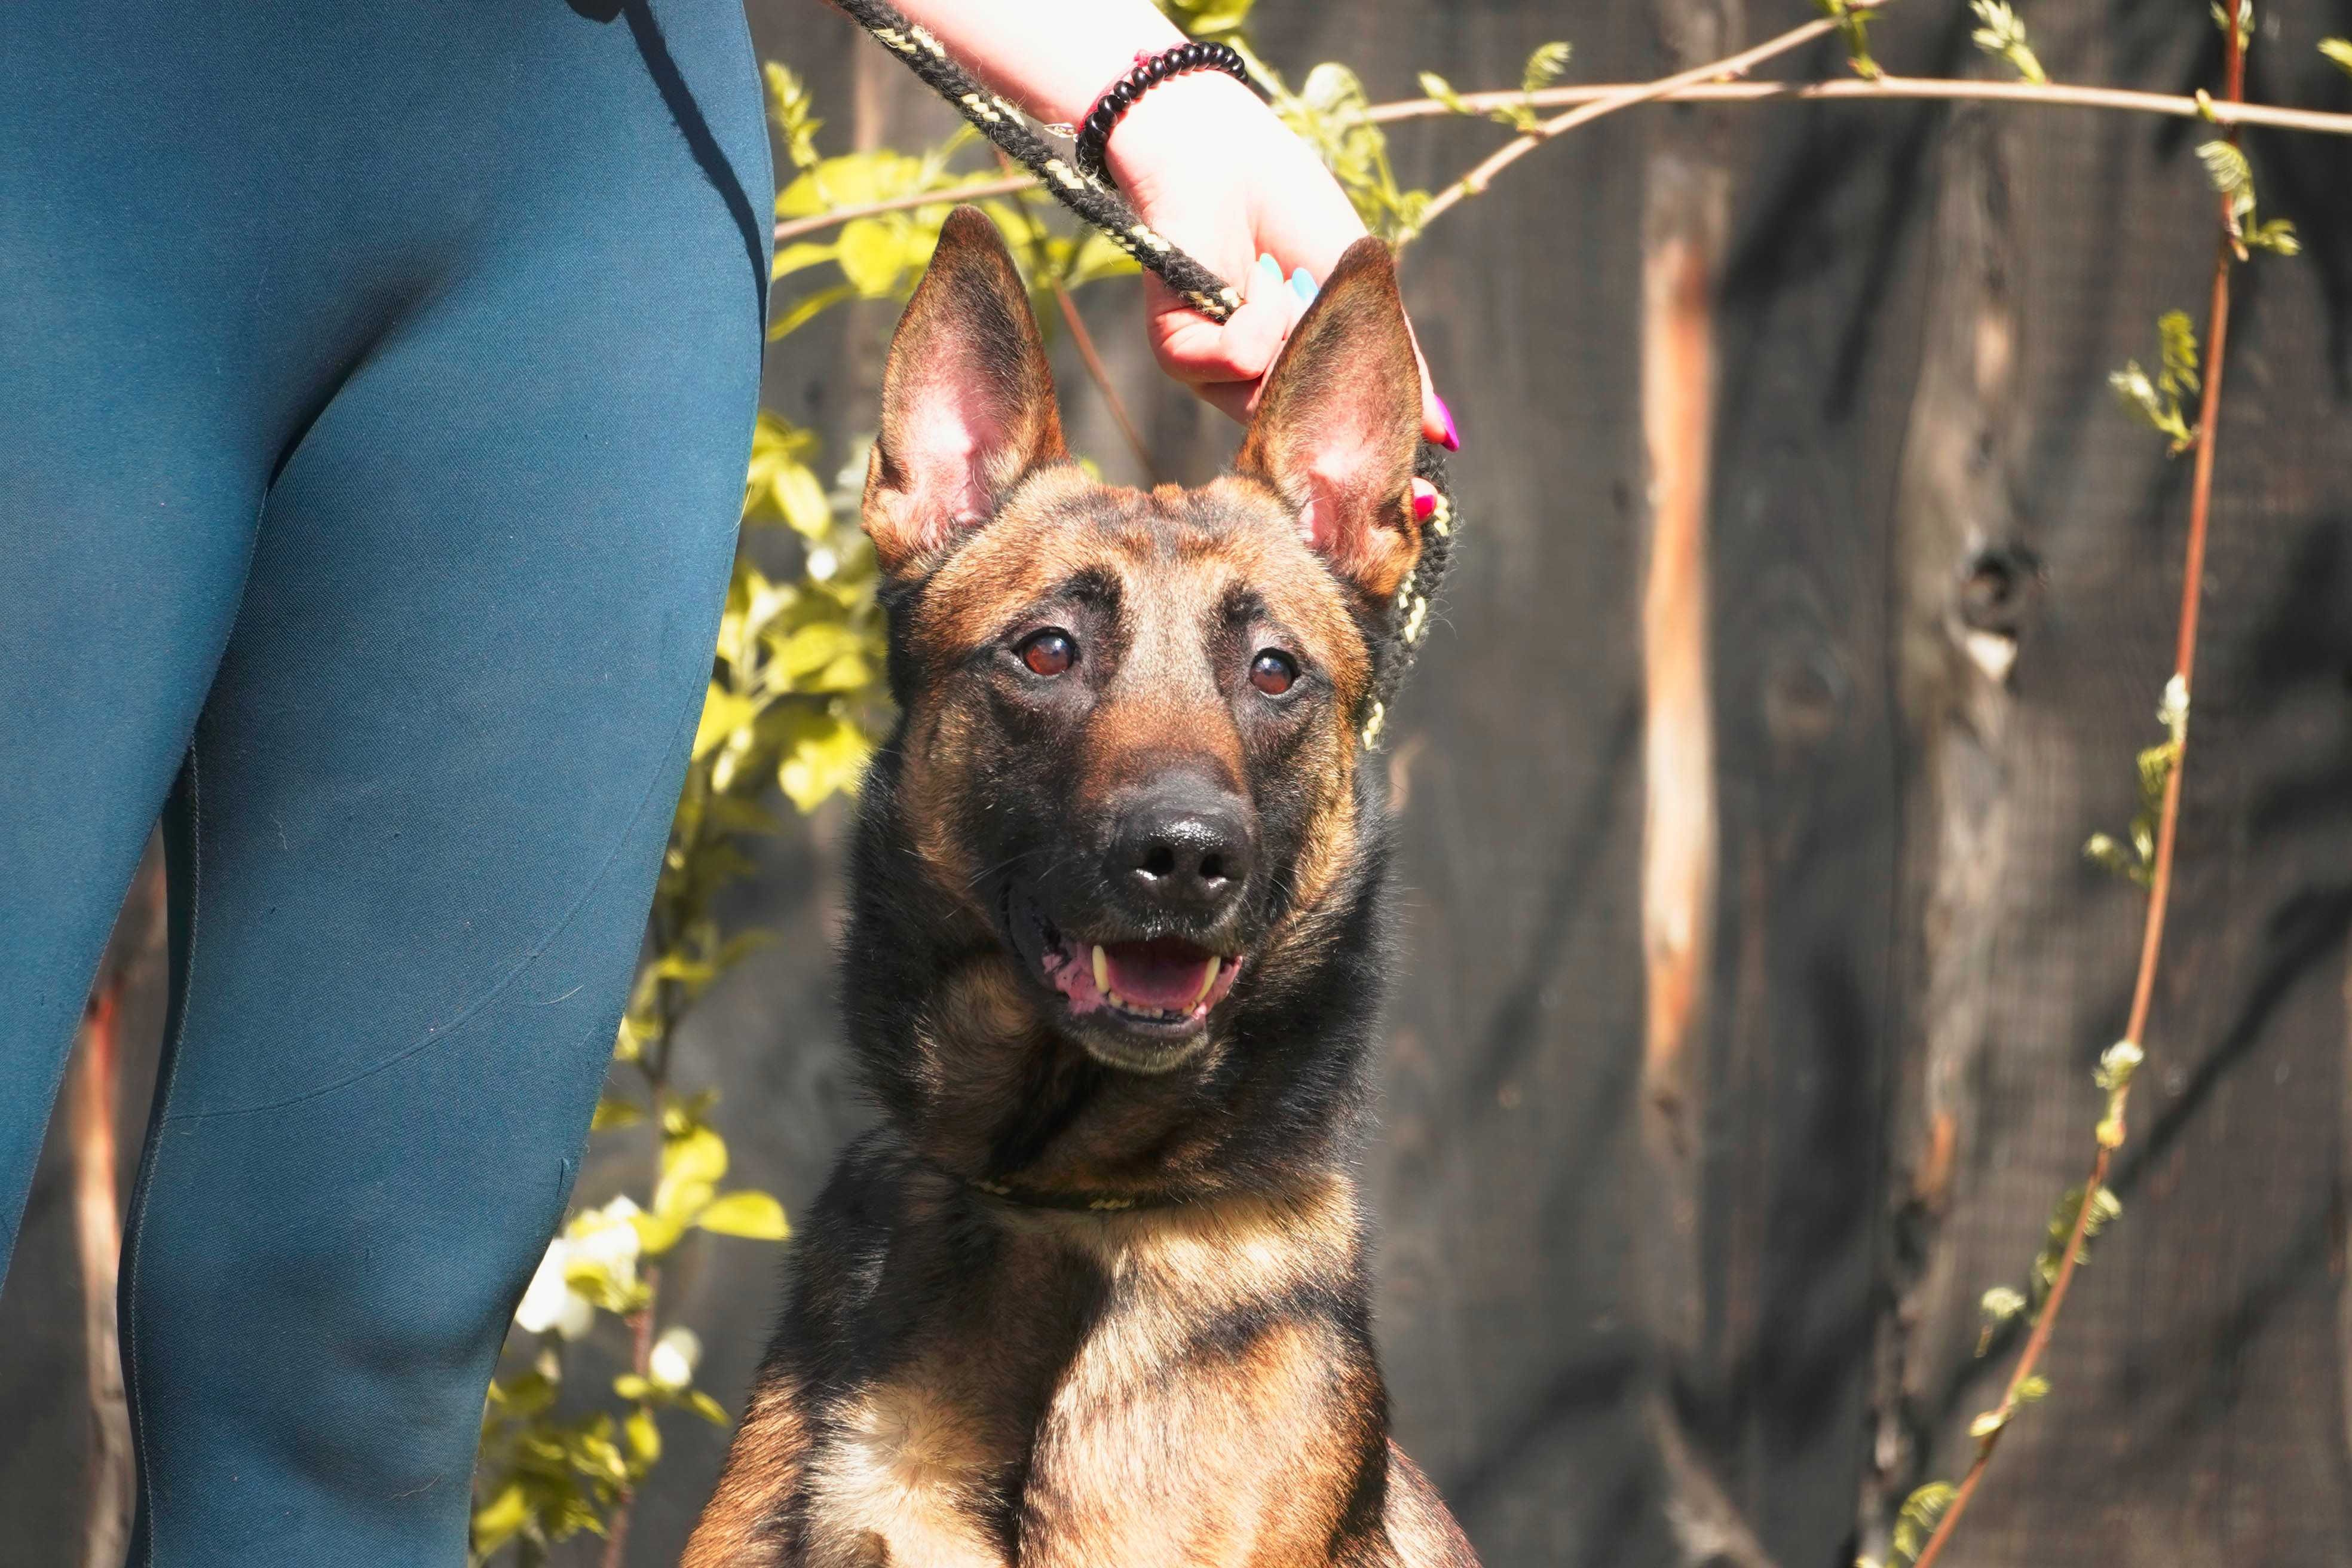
(1049, 652)
(1273, 672)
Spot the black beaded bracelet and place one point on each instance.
(1094, 131)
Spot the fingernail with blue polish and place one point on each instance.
(1269, 274)
(1303, 285)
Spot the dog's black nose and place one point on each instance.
(1181, 845)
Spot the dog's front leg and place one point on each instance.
(744, 1527)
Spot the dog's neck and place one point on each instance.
(1314, 1218)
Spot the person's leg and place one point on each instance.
(129, 485)
(428, 797)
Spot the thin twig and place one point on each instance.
(2049, 95)
(2159, 891)
(1519, 147)
(795, 228)
(641, 1339)
(655, 1068)
(1906, 89)
(1084, 340)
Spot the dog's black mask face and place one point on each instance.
(1127, 745)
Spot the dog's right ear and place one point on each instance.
(967, 400)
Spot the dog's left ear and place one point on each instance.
(967, 399)
(1339, 422)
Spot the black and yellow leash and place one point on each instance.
(1101, 205)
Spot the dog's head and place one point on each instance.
(1127, 765)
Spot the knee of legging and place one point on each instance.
(356, 1353)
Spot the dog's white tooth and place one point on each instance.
(1207, 981)
(1102, 971)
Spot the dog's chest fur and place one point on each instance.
(964, 1383)
(1092, 1384)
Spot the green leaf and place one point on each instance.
(2277, 236)
(873, 253)
(1209, 19)
(755, 1217)
(702, 1405)
(808, 307)
(802, 254)
(1917, 1520)
(2001, 1303)
(645, 1437)
(682, 968)
(686, 1114)
(790, 107)
(2034, 1389)
(1853, 25)
(1544, 67)
(2226, 166)
(851, 180)
(2177, 340)
(823, 755)
(2101, 850)
(613, 1111)
(723, 712)
(2156, 399)
(632, 1387)
(802, 501)
(2002, 35)
(500, 1519)
(698, 1154)
(1438, 88)
(2339, 51)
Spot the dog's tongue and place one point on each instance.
(1166, 974)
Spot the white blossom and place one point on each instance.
(674, 1357)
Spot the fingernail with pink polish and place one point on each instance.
(1424, 500)
(1452, 436)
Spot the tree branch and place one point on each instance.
(1620, 95)
(2048, 95)
(818, 223)
(1519, 147)
(2159, 893)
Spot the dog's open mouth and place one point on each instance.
(1142, 1004)
(1166, 980)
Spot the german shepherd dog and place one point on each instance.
(1095, 1293)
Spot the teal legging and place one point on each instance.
(376, 379)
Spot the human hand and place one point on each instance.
(1210, 167)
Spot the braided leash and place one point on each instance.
(1100, 204)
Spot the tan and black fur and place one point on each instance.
(1095, 1293)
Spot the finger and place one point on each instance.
(1196, 350)
(1437, 419)
(1235, 399)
